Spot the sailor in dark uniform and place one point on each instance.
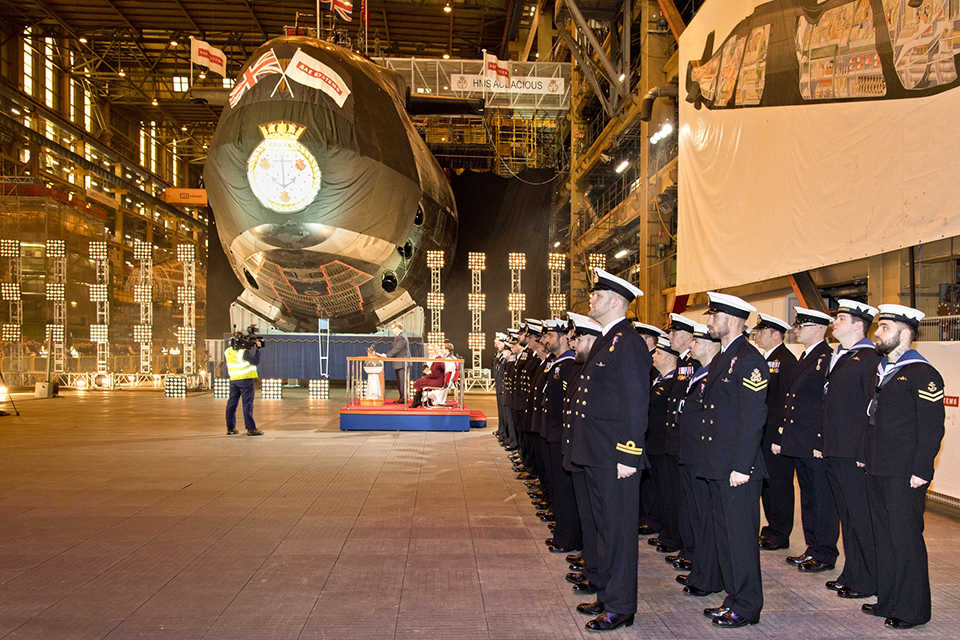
(735, 409)
(847, 391)
(496, 371)
(610, 420)
(649, 503)
(802, 440)
(695, 507)
(777, 495)
(900, 443)
(512, 439)
(663, 468)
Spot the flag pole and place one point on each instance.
(318, 19)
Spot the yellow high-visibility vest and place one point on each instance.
(237, 367)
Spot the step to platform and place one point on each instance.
(386, 418)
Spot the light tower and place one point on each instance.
(13, 294)
(556, 262)
(99, 332)
(56, 294)
(517, 302)
(597, 261)
(143, 295)
(435, 297)
(477, 303)
(187, 296)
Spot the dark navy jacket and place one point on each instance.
(847, 390)
(803, 405)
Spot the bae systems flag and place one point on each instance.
(265, 65)
(203, 54)
(309, 71)
(496, 71)
(343, 8)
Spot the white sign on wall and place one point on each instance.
(518, 84)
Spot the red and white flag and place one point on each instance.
(365, 14)
(309, 71)
(264, 66)
(495, 70)
(343, 8)
(203, 54)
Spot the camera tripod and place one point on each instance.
(9, 395)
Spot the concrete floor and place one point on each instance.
(130, 515)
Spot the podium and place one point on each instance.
(375, 384)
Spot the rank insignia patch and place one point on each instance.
(930, 394)
(755, 382)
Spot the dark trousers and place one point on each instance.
(241, 389)
(667, 481)
(401, 374)
(649, 503)
(539, 446)
(849, 484)
(706, 566)
(777, 496)
(903, 578)
(736, 520)
(510, 427)
(567, 534)
(588, 527)
(616, 511)
(818, 509)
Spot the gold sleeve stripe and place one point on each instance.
(630, 448)
(758, 386)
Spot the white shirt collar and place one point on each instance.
(610, 326)
(807, 351)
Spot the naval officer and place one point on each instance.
(610, 420)
(901, 440)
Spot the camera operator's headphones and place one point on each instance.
(234, 341)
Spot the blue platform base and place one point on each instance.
(404, 420)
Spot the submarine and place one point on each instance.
(325, 197)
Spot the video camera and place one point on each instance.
(250, 340)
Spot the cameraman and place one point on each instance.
(242, 358)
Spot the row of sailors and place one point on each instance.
(619, 428)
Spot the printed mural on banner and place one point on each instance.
(795, 114)
(518, 84)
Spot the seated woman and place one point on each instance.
(449, 368)
(432, 379)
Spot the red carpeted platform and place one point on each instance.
(391, 417)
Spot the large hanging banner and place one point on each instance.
(814, 133)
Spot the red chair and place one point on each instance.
(437, 396)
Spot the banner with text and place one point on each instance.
(472, 83)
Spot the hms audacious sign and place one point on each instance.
(518, 84)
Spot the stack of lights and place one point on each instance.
(186, 335)
(435, 259)
(142, 333)
(186, 253)
(9, 248)
(175, 387)
(99, 333)
(142, 293)
(56, 291)
(56, 249)
(98, 250)
(556, 261)
(476, 261)
(11, 333)
(436, 337)
(98, 293)
(271, 389)
(517, 302)
(475, 341)
(221, 388)
(10, 291)
(318, 389)
(558, 302)
(517, 261)
(142, 250)
(186, 295)
(476, 301)
(597, 261)
(56, 333)
(434, 300)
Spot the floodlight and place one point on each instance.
(597, 261)
(475, 341)
(556, 261)
(517, 261)
(186, 295)
(186, 252)
(98, 293)
(517, 302)
(98, 250)
(99, 333)
(142, 333)
(436, 337)
(271, 389)
(142, 293)
(476, 261)
(186, 335)
(10, 291)
(142, 250)
(434, 301)
(56, 249)
(476, 301)
(435, 259)
(56, 333)
(11, 333)
(9, 248)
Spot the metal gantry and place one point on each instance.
(99, 294)
(143, 294)
(435, 297)
(187, 295)
(13, 295)
(517, 301)
(477, 303)
(56, 295)
(556, 263)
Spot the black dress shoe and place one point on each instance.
(683, 565)
(870, 609)
(590, 608)
(576, 566)
(815, 566)
(585, 587)
(798, 560)
(541, 504)
(574, 557)
(769, 545)
(548, 517)
(552, 548)
(715, 612)
(662, 548)
(548, 542)
(525, 476)
(847, 592)
(654, 541)
(644, 530)
(897, 623)
(691, 590)
(552, 526)
(731, 620)
(835, 585)
(671, 559)
(682, 579)
(608, 621)
(574, 578)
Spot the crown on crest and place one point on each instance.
(282, 130)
